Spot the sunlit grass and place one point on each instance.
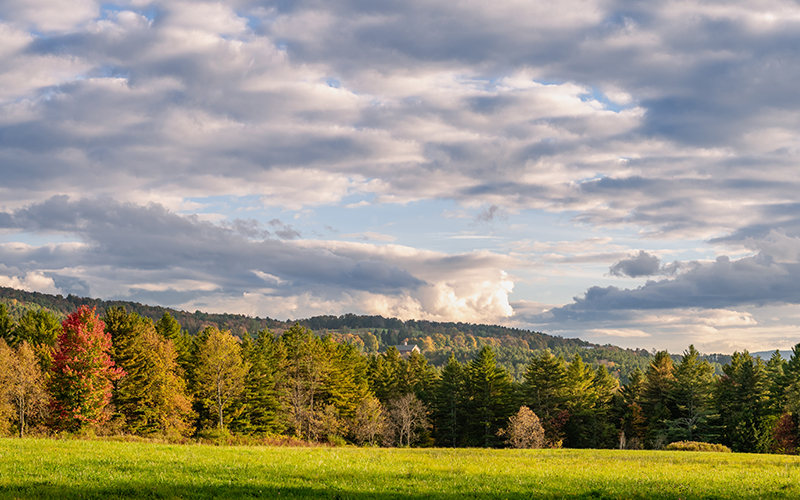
(102, 469)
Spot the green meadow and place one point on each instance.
(84, 469)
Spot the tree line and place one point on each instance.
(123, 373)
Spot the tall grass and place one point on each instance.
(72, 469)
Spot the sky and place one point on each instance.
(624, 172)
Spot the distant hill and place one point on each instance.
(765, 355)
(438, 340)
(19, 301)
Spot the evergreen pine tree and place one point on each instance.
(544, 391)
(603, 431)
(692, 398)
(629, 410)
(261, 397)
(169, 328)
(578, 432)
(491, 404)
(151, 397)
(657, 398)
(742, 402)
(449, 405)
(7, 326)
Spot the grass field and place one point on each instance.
(103, 469)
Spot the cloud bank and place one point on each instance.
(217, 155)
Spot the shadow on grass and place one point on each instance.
(46, 491)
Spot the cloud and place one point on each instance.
(159, 256)
(33, 281)
(756, 280)
(489, 215)
(674, 122)
(643, 264)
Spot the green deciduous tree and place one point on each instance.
(41, 330)
(220, 372)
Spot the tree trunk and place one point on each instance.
(219, 406)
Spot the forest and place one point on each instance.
(120, 373)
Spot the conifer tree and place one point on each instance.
(262, 389)
(385, 375)
(7, 326)
(82, 373)
(307, 368)
(489, 389)
(169, 328)
(692, 398)
(742, 402)
(449, 404)
(657, 399)
(128, 353)
(152, 395)
(544, 392)
(580, 404)
(603, 433)
(346, 383)
(634, 422)
(790, 385)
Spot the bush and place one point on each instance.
(697, 446)
(524, 430)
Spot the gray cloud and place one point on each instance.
(126, 236)
(154, 255)
(724, 283)
(490, 215)
(641, 264)
(141, 95)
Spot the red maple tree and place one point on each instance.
(82, 372)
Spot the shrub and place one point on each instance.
(524, 430)
(697, 446)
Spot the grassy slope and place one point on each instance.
(101, 469)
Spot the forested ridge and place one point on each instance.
(371, 334)
(123, 373)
